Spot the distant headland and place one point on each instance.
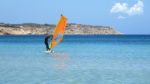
(40, 29)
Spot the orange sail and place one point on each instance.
(58, 32)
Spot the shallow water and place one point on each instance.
(95, 59)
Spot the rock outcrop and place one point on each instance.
(39, 29)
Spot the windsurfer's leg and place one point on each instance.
(47, 47)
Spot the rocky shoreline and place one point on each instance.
(40, 29)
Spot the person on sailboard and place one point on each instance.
(46, 41)
(57, 36)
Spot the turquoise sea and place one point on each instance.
(88, 59)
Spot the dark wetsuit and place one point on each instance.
(46, 41)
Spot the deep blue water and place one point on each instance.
(88, 59)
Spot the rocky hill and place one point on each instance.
(39, 29)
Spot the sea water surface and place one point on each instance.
(88, 59)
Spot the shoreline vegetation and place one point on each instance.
(41, 29)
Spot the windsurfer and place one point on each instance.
(46, 42)
(57, 36)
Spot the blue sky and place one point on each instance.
(127, 16)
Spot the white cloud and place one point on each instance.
(136, 9)
(121, 17)
(119, 7)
